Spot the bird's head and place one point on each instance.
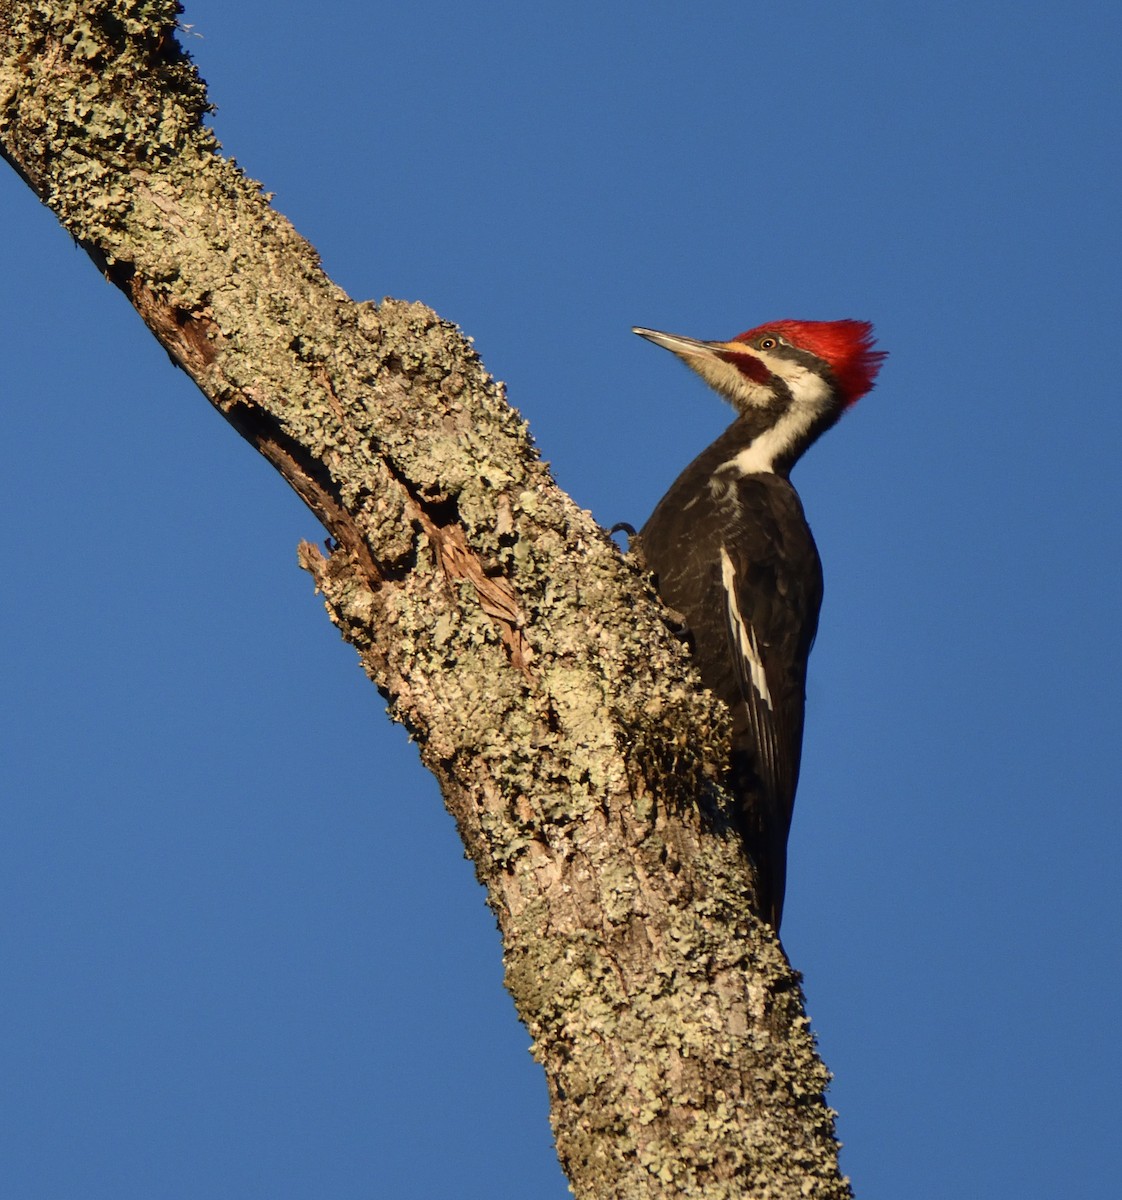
(819, 367)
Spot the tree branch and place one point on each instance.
(572, 743)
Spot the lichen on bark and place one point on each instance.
(528, 658)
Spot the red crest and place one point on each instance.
(846, 345)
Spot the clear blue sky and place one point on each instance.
(242, 953)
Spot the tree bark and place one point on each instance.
(527, 656)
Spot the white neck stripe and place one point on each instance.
(761, 456)
(810, 398)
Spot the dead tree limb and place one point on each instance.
(573, 746)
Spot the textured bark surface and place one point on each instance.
(526, 655)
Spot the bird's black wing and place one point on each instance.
(772, 590)
(733, 558)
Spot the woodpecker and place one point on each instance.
(733, 557)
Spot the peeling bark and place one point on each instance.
(529, 659)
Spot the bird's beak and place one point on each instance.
(684, 347)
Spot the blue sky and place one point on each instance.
(242, 952)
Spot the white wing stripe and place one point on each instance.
(745, 636)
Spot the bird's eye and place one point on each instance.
(768, 343)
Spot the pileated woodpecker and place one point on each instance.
(734, 558)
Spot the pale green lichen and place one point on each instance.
(669, 1021)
